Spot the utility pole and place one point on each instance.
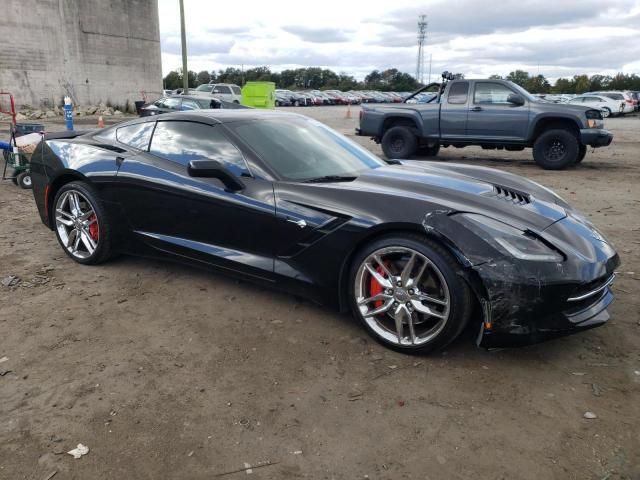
(430, 58)
(185, 71)
(422, 34)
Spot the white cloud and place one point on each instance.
(556, 39)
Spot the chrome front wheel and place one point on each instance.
(402, 296)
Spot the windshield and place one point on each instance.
(302, 149)
(204, 88)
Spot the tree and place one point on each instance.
(173, 80)
(203, 77)
(564, 85)
(519, 77)
(538, 84)
(495, 77)
(581, 83)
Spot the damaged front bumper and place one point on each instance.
(525, 302)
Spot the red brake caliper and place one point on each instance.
(94, 231)
(375, 288)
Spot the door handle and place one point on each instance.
(476, 109)
(119, 161)
(300, 223)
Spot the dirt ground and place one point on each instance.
(166, 372)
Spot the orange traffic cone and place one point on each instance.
(100, 122)
(348, 114)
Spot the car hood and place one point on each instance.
(463, 188)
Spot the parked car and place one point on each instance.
(296, 99)
(494, 114)
(224, 91)
(636, 99)
(176, 103)
(282, 100)
(417, 251)
(618, 96)
(609, 106)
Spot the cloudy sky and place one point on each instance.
(559, 38)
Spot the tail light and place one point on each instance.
(629, 101)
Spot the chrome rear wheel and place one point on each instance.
(77, 224)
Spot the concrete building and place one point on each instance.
(92, 50)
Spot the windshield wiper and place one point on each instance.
(331, 178)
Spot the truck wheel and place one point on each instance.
(556, 149)
(399, 142)
(582, 152)
(429, 151)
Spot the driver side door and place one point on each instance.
(493, 118)
(197, 217)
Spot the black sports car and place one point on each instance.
(416, 250)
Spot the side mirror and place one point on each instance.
(215, 169)
(515, 99)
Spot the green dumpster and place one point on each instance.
(259, 95)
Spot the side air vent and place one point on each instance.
(513, 196)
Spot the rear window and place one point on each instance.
(236, 90)
(615, 96)
(458, 93)
(136, 136)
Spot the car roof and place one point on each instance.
(226, 116)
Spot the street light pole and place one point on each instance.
(185, 71)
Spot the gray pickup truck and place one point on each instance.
(495, 114)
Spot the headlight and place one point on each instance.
(510, 240)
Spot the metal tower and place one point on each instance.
(422, 34)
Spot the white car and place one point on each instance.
(608, 106)
(619, 96)
(224, 91)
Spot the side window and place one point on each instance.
(458, 93)
(236, 90)
(182, 142)
(491, 93)
(590, 99)
(223, 89)
(188, 104)
(136, 136)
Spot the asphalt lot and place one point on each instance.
(164, 371)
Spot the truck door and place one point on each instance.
(454, 111)
(492, 117)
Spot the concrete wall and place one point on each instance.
(92, 50)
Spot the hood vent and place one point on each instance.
(510, 195)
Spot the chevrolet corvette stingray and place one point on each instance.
(416, 250)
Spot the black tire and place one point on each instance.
(460, 305)
(556, 149)
(23, 180)
(277, 103)
(104, 246)
(236, 102)
(582, 152)
(296, 103)
(399, 142)
(429, 151)
(608, 110)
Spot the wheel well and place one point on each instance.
(550, 123)
(54, 187)
(346, 266)
(397, 122)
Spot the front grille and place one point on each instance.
(591, 289)
(510, 195)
